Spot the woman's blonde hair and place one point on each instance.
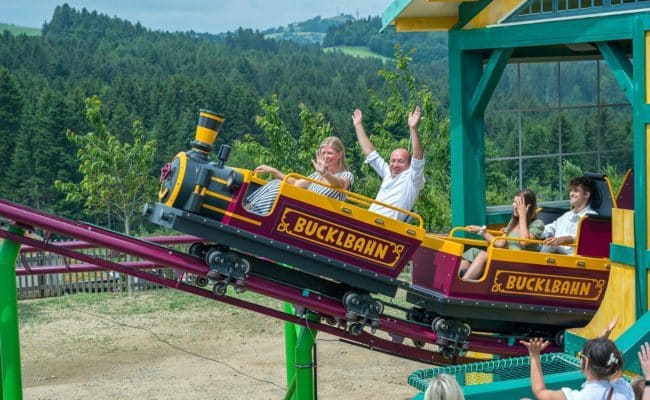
(337, 145)
(444, 387)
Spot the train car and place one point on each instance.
(342, 250)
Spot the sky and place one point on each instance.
(212, 16)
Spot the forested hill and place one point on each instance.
(431, 46)
(161, 79)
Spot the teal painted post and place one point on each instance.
(641, 120)
(467, 142)
(290, 351)
(12, 388)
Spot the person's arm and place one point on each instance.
(482, 231)
(535, 347)
(558, 241)
(334, 180)
(522, 211)
(644, 362)
(263, 168)
(362, 137)
(413, 121)
(607, 331)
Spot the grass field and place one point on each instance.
(358, 51)
(18, 30)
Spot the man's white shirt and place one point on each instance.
(399, 191)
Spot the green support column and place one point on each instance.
(304, 364)
(467, 142)
(12, 388)
(290, 352)
(299, 342)
(640, 125)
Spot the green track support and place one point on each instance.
(299, 342)
(11, 387)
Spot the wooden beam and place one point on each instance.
(425, 24)
(493, 13)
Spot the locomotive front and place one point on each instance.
(193, 182)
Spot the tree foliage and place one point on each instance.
(112, 171)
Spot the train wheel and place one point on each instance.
(220, 288)
(198, 249)
(377, 307)
(244, 266)
(214, 258)
(448, 353)
(201, 281)
(356, 329)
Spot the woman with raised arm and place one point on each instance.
(330, 167)
(523, 224)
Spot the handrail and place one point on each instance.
(501, 237)
(357, 198)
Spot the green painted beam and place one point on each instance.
(491, 75)
(621, 254)
(640, 26)
(393, 11)
(578, 30)
(620, 66)
(467, 141)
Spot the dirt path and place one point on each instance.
(155, 346)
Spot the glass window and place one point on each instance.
(544, 116)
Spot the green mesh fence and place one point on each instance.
(495, 370)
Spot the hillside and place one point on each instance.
(161, 79)
(312, 31)
(19, 30)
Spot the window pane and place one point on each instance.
(579, 130)
(501, 134)
(538, 85)
(505, 95)
(502, 181)
(539, 132)
(541, 175)
(578, 82)
(621, 160)
(616, 128)
(610, 91)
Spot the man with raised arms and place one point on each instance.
(403, 176)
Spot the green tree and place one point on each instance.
(283, 150)
(114, 174)
(390, 116)
(10, 114)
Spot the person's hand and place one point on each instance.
(320, 166)
(644, 360)
(535, 346)
(263, 168)
(414, 117)
(472, 228)
(521, 206)
(554, 241)
(609, 328)
(357, 117)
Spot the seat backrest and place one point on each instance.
(549, 214)
(594, 236)
(602, 198)
(625, 198)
